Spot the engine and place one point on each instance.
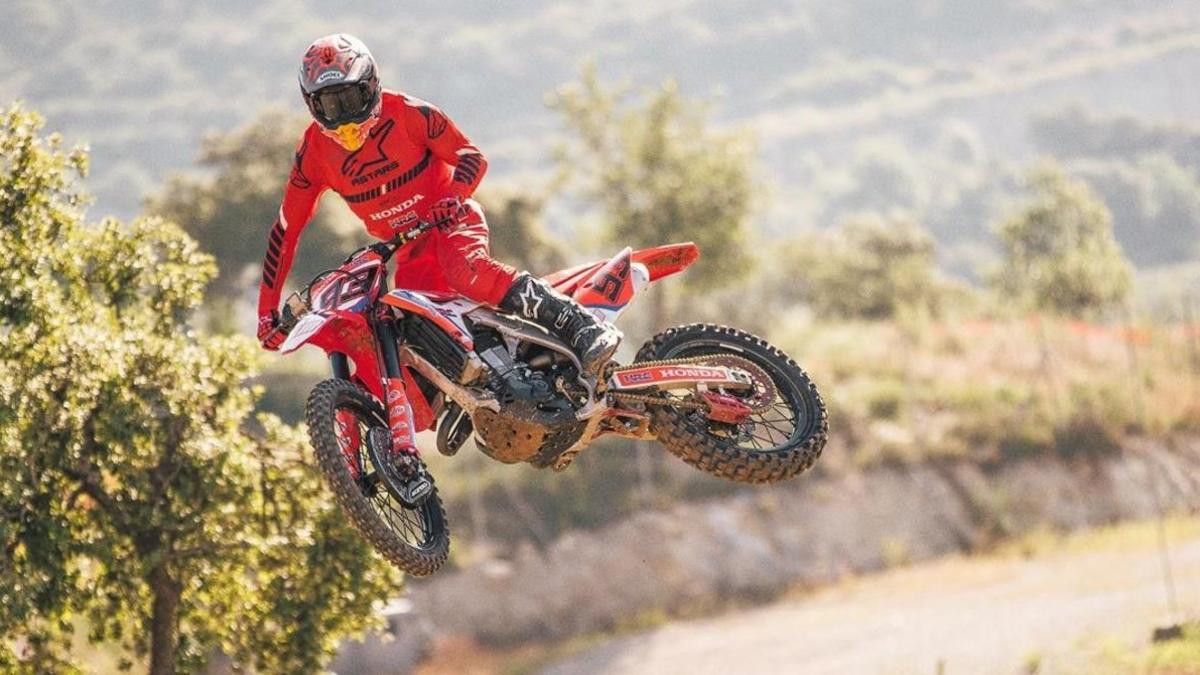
(536, 421)
(435, 346)
(536, 387)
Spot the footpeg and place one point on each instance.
(453, 430)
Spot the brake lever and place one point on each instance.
(293, 309)
(287, 321)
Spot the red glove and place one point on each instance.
(268, 331)
(448, 213)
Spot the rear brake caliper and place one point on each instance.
(726, 408)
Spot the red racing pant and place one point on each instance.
(456, 261)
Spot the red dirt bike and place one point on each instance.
(720, 399)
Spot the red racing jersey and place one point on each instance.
(413, 157)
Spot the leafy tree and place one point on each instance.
(1155, 204)
(868, 267)
(131, 494)
(1145, 171)
(230, 210)
(1059, 251)
(660, 174)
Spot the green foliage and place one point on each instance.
(131, 494)
(230, 211)
(1059, 250)
(1147, 173)
(885, 400)
(1176, 656)
(1155, 203)
(660, 174)
(868, 267)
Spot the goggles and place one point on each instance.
(343, 104)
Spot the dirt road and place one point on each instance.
(992, 615)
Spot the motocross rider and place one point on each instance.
(397, 160)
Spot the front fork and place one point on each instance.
(348, 435)
(399, 412)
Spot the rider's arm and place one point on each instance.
(442, 136)
(300, 197)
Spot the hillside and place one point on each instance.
(912, 105)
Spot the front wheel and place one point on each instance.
(340, 419)
(781, 438)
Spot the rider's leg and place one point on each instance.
(470, 270)
(465, 258)
(534, 299)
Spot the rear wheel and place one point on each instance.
(340, 418)
(782, 437)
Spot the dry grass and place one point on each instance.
(995, 390)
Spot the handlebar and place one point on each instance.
(386, 249)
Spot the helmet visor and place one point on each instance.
(334, 106)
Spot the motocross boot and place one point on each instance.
(594, 342)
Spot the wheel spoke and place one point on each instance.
(410, 527)
(772, 437)
(777, 421)
(395, 519)
(403, 522)
(417, 535)
(405, 525)
(786, 429)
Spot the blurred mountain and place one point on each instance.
(917, 105)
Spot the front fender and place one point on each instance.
(350, 334)
(335, 330)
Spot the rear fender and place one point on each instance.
(663, 261)
(659, 261)
(608, 292)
